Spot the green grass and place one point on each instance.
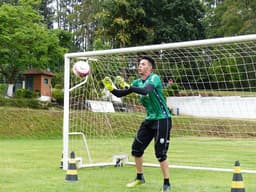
(32, 165)
(31, 148)
(30, 123)
(47, 124)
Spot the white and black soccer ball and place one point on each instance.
(81, 68)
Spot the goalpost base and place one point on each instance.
(122, 159)
(194, 168)
(117, 161)
(215, 169)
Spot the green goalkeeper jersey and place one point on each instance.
(154, 102)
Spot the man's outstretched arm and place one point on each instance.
(127, 89)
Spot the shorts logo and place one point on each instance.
(162, 141)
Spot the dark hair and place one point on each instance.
(150, 59)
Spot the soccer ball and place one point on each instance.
(81, 68)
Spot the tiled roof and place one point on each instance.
(38, 72)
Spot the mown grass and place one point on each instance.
(30, 123)
(33, 165)
(45, 124)
(31, 148)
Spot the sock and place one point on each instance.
(166, 182)
(139, 176)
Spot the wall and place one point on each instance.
(230, 106)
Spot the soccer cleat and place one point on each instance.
(121, 83)
(135, 183)
(108, 83)
(166, 188)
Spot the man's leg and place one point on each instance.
(140, 143)
(139, 163)
(162, 139)
(165, 169)
(139, 178)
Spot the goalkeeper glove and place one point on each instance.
(108, 84)
(121, 83)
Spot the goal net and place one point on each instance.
(210, 88)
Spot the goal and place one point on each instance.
(210, 88)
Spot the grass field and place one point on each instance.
(29, 165)
(31, 146)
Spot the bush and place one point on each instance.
(171, 90)
(26, 93)
(58, 95)
(24, 103)
(3, 87)
(58, 86)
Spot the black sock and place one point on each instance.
(166, 182)
(140, 176)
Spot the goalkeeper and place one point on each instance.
(157, 123)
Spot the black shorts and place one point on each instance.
(159, 130)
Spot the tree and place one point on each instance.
(231, 17)
(176, 20)
(44, 7)
(140, 22)
(47, 12)
(82, 21)
(62, 9)
(78, 17)
(122, 23)
(25, 42)
(12, 2)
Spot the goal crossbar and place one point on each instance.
(185, 44)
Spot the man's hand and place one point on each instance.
(107, 82)
(121, 83)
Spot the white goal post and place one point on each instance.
(210, 87)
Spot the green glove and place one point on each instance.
(121, 83)
(108, 84)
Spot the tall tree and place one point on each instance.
(231, 17)
(122, 22)
(175, 20)
(44, 7)
(47, 9)
(82, 21)
(138, 22)
(25, 42)
(12, 2)
(62, 9)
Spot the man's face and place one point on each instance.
(144, 67)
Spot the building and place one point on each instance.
(39, 81)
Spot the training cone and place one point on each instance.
(61, 161)
(237, 182)
(72, 169)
